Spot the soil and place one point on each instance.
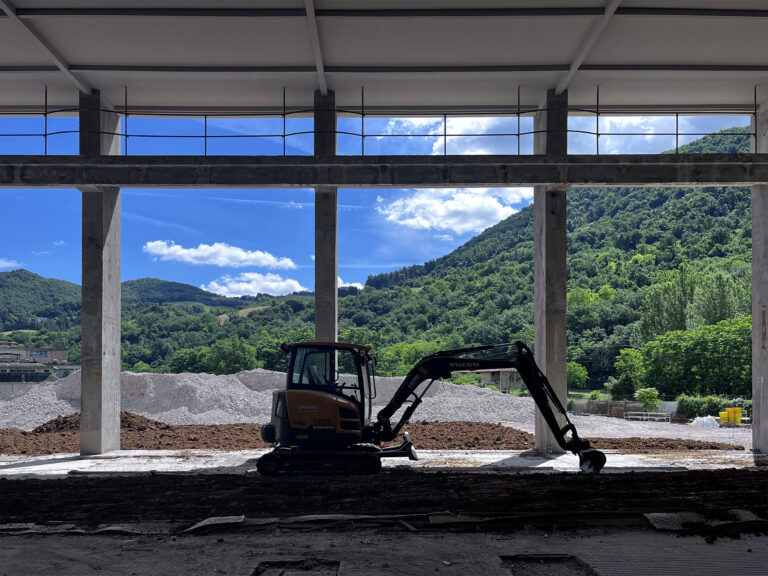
(139, 433)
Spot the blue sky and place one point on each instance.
(236, 242)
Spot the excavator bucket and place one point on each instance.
(591, 460)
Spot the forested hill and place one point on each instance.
(31, 301)
(516, 231)
(155, 290)
(25, 297)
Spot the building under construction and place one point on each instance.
(541, 64)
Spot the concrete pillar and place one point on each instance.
(326, 227)
(760, 294)
(98, 127)
(100, 363)
(549, 256)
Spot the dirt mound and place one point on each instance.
(468, 436)
(653, 445)
(62, 434)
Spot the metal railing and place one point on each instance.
(440, 131)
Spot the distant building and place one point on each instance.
(15, 353)
(505, 379)
(22, 367)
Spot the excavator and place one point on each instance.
(322, 422)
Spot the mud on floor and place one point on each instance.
(139, 433)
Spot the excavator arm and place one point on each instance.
(493, 357)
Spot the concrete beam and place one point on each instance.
(101, 298)
(549, 258)
(326, 226)
(760, 295)
(383, 171)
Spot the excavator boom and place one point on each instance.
(483, 358)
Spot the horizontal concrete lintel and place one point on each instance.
(381, 171)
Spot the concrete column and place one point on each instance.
(549, 256)
(326, 227)
(100, 363)
(99, 127)
(760, 294)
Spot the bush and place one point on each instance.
(595, 395)
(649, 398)
(621, 388)
(694, 406)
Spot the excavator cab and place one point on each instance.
(328, 396)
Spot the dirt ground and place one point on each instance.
(140, 433)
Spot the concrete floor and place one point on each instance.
(341, 549)
(370, 552)
(213, 461)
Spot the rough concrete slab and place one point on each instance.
(366, 552)
(219, 462)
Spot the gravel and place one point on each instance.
(246, 397)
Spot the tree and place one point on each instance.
(649, 398)
(629, 365)
(576, 375)
(716, 299)
(666, 306)
(231, 356)
(713, 359)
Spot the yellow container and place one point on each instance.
(734, 415)
(723, 416)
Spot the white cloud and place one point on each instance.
(279, 203)
(4, 263)
(40, 253)
(444, 237)
(466, 135)
(218, 254)
(59, 243)
(252, 283)
(457, 210)
(414, 126)
(343, 284)
(312, 256)
(164, 224)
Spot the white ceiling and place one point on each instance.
(243, 60)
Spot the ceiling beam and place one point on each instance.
(429, 69)
(39, 39)
(587, 45)
(743, 108)
(30, 13)
(314, 40)
(382, 171)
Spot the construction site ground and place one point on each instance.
(661, 506)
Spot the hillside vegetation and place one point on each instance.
(655, 275)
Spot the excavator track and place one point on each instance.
(286, 461)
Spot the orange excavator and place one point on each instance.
(322, 422)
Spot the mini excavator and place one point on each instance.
(322, 422)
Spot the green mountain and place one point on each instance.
(28, 301)
(155, 290)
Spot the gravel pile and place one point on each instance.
(247, 398)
